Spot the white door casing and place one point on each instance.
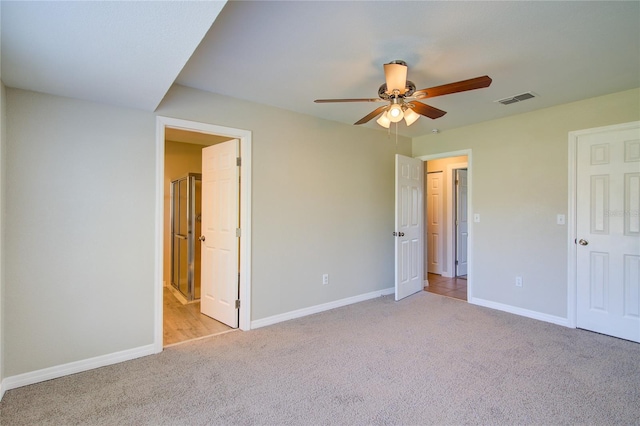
(219, 266)
(435, 225)
(461, 222)
(607, 235)
(408, 234)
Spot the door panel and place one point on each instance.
(219, 270)
(409, 219)
(435, 225)
(608, 247)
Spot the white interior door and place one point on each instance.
(409, 234)
(608, 232)
(219, 269)
(435, 225)
(462, 222)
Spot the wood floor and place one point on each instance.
(451, 287)
(185, 322)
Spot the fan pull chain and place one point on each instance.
(396, 137)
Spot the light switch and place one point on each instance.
(476, 217)
(560, 219)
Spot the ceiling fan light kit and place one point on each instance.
(410, 116)
(403, 97)
(395, 113)
(383, 120)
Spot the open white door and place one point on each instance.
(608, 232)
(462, 222)
(408, 231)
(219, 271)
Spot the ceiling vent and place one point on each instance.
(517, 98)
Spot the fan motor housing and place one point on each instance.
(409, 90)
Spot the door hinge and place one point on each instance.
(238, 161)
(238, 304)
(238, 232)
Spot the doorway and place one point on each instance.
(202, 134)
(451, 172)
(183, 318)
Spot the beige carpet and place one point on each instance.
(425, 360)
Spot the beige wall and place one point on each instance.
(80, 232)
(79, 213)
(3, 180)
(519, 177)
(440, 164)
(180, 159)
(322, 201)
(79, 217)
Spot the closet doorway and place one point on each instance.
(447, 209)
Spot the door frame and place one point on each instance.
(454, 220)
(451, 216)
(245, 138)
(572, 249)
(469, 167)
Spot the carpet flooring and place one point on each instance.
(427, 359)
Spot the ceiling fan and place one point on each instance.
(402, 96)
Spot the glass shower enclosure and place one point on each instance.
(185, 229)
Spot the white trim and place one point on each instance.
(571, 233)
(470, 245)
(245, 215)
(520, 311)
(572, 260)
(320, 308)
(75, 367)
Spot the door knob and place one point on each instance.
(201, 238)
(401, 234)
(583, 242)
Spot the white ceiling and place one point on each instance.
(121, 53)
(286, 54)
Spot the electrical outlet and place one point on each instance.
(325, 279)
(518, 281)
(476, 217)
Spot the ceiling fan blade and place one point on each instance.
(395, 75)
(372, 114)
(459, 86)
(324, 101)
(427, 110)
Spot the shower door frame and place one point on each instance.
(191, 179)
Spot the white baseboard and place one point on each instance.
(37, 376)
(522, 312)
(319, 308)
(2, 389)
